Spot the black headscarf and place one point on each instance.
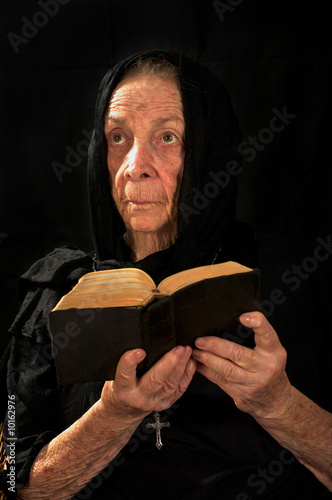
(205, 209)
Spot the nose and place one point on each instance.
(140, 163)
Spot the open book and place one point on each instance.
(109, 312)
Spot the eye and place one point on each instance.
(117, 138)
(169, 138)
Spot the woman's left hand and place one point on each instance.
(255, 378)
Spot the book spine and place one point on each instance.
(157, 325)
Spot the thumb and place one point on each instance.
(266, 338)
(125, 375)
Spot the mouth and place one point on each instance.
(142, 204)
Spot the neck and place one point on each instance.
(143, 244)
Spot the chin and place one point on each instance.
(147, 224)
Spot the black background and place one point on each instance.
(269, 54)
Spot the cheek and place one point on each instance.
(115, 177)
(172, 176)
(172, 158)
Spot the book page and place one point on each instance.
(184, 278)
(110, 288)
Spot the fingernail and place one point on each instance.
(245, 318)
(200, 341)
(139, 354)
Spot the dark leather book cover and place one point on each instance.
(212, 306)
(88, 343)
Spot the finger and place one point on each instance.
(126, 370)
(188, 375)
(211, 375)
(168, 371)
(241, 356)
(219, 370)
(266, 338)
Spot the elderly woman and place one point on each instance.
(162, 184)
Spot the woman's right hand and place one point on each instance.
(156, 390)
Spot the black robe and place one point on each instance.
(211, 450)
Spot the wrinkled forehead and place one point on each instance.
(146, 92)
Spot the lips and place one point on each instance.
(141, 203)
(141, 199)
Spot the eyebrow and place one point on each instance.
(115, 119)
(170, 118)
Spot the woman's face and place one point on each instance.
(144, 128)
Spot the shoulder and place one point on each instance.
(57, 266)
(42, 286)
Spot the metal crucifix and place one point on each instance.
(157, 426)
